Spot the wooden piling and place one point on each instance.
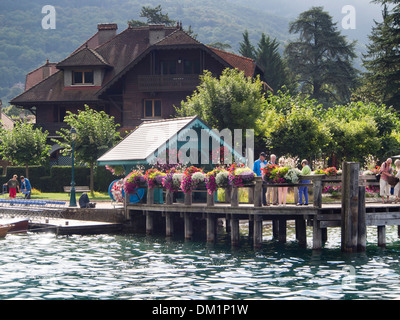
(350, 206)
(188, 226)
(169, 224)
(228, 223)
(169, 197)
(362, 224)
(282, 232)
(382, 236)
(150, 196)
(149, 223)
(251, 226)
(234, 231)
(275, 229)
(235, 197)
(210, 199)
(258, 192)
(188, 199)
(301, 232)
(211, 228)
(317, 235)
(258, 231)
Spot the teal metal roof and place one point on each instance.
(151, 138)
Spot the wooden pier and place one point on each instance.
(353, 215)
(68, 221)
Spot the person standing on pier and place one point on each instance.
(282, 191)
(304, 190)
(12, 185)
(26, 187)
(257, 167)
(384, 186)
(272, 192)
(397, 187)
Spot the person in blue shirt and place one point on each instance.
(26, 187)
(258, 165)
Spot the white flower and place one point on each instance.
(293, 175)
(198, 177)
(222, 178)
(177, 178)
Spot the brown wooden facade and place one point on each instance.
(137, 75)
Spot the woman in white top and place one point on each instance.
(282, 191)
(397, 187)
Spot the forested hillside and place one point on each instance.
(24, 45)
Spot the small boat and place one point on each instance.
(4, 230)
(18, 225)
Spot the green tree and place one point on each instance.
(353, 140)
(384, 124)
(232, 101)
(24, 145)
(96, 133)
(246, 49)
(382, 60)
(297, 133)
(221, 46)
(270, 60)
(321, 57)
(153, 16)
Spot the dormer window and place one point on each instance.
(83, 77)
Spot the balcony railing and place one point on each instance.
(175, 82)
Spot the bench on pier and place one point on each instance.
(77, 189)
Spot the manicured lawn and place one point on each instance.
(65, 196)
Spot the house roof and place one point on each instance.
(37, 75)
(86, 57)
(119, 54)
(52, 90)
(142, 144)
(247, 65)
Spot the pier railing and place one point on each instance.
(316, 182)
(352, 215)
(254, 191)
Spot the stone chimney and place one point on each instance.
(106, 31)
(156, 33)
(46, 69)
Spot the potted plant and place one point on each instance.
(267, 172)
(133, 181)
(241, 177)
(154, 178)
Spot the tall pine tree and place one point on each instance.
(321, 58)
(246, 49)
(270, 60)
(153, 16)
(382, 60)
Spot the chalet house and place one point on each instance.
(136, 75)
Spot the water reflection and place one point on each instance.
(45, 266)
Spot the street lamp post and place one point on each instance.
(72, 200)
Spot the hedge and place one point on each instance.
(55, 178)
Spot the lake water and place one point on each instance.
(46, 266)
